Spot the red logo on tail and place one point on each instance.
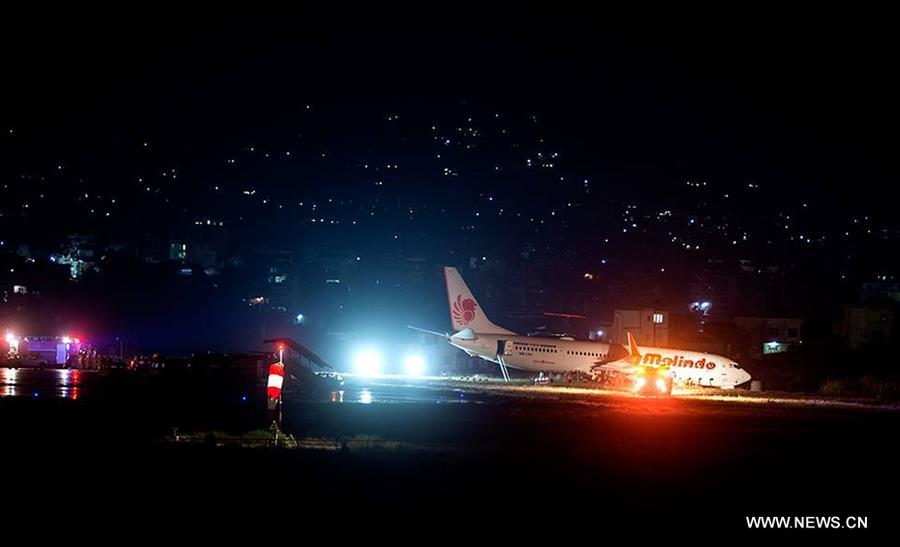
(463, 311)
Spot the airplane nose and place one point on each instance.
(744, 377)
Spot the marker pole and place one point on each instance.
(280, 395)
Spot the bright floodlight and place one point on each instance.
(367, 363)
(414, 365)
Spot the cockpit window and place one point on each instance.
(735, 365)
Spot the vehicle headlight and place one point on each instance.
(367, 363)
(414, 365)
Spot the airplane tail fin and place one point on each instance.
(465, 312)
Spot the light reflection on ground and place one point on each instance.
(29, 382)
(399, 389)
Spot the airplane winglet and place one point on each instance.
(632, 346)
(634, 354)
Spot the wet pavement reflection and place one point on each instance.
(29, 382)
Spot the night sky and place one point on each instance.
(448, 135)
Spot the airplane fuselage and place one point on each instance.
(696, 368)
(535, 354)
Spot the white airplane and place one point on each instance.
(685, 367)
(478, 336)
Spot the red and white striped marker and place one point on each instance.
(276, 380)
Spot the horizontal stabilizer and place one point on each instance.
(465, 334)
(435, 333)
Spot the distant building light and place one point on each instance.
(774, 347)
(658, 318)
(701, 307)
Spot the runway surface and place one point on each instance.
(703, 461)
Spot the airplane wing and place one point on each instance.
(622, 365)
(626, 365)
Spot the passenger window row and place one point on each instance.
(539, 349)
(586, 353)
